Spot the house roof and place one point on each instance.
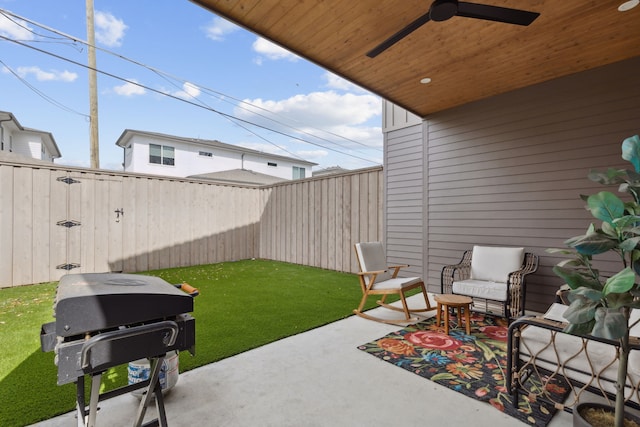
(49, 141)
(124, 138)
(329, 171)
(9, 157)
(240, 176)
(466, 59)
(47, 137)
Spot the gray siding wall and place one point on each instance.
(509, 170)
(404, 199)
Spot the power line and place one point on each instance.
(42, 94)
(223, 114)
(231, 120)
(219, 95)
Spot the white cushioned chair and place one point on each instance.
(378, 278)
(493, 276)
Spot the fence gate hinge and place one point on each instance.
(67, 180)
(68, 223)
(67, 267)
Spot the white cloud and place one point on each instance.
(41, 75)
(315, 156)
(272, 51)
(337, 82)
(129, 88)
(15, 28)
(109, 29)
(328, 121)
(219, 28)
(189, 91)
(326, 109)
(310, 155)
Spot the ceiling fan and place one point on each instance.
(441, 10)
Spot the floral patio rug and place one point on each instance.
(473, 365)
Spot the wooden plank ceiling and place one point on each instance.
(466, 59)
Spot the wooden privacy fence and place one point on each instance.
(316, 222)
(56, 220)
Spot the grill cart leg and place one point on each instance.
(93, 399)
(153, 388)
(88, 419)
(80, 408)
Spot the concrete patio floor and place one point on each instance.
(317, 378)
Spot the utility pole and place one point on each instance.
(93, 91)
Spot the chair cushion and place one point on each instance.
(496, 291)
(495, 263)
(372, 258)
(397, 283)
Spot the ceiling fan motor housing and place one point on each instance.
(441, 10)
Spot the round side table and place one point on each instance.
(447, 301)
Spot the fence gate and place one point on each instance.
(88, 236)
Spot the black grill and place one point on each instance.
(108, 319)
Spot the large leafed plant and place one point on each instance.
(601, 306)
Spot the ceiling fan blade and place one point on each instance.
(399, 35)
(496, 13)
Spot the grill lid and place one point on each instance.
(97, 301)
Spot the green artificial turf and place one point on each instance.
(242, 305)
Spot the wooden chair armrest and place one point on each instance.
(398, 266)
(371, 273)
(396, 269)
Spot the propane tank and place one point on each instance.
(140, 370)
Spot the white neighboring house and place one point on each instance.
(160, 154)
(26, 142)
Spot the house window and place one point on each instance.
(205, 154)
(298, 173)
(161, 154)
(272, 164)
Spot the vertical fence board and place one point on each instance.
(337, 240)
(346, 224)
(58, 234)
(103, 217)
(41, 224)
(356, 215)
(74, 212)
(114, 226)
(363, 203)
(330, 218)
(6, 225)
(87, 186)
(128, 221)
(317, 238)
(141, 221)
(23, 225)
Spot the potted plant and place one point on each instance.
(600, 306)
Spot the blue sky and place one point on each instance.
(198, 76)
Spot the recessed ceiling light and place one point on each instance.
(628, 5)
(427, 80)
